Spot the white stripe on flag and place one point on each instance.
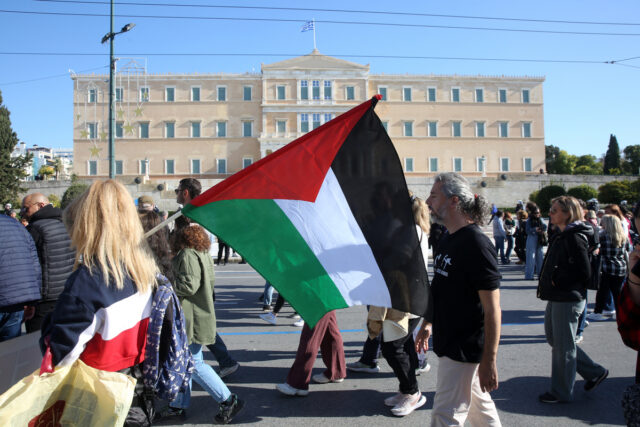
(333, 235)
(308, 26)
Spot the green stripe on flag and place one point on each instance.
(261, 232)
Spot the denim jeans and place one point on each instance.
(509, 247)
(560, 323)
(206, 377)
(534, 258)
(500, 248)
(268, 294)
(220, 352)
(10, 323)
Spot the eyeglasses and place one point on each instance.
(177, 190)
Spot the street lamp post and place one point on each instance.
(112, 89)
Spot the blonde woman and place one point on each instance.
(614, 250)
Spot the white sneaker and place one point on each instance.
(269, 318)
(361, 367)
(424, 367)
(299, 323)
(408, 403)
(609, 312)
(579, 339)
(322, 379)
(393, 400)
(285, 388)
(596, 316)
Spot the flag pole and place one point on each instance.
(314, 33)
(163, 224)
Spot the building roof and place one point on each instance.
(315, 61)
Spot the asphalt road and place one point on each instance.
(266, 353)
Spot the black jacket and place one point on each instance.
(54, 250)
(566, 268)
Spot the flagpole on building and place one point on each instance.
(314, 33)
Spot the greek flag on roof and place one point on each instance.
(308, 26)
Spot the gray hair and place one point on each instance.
(470, 204)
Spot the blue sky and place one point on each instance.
(583, 102)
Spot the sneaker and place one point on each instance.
(408, 403)
(266, 308)
(393, 400)
(294, 316)
(423, 367)
(579, 339)
(596, 316)
(170, 413)
(269, 318)
(322, 379)
(225, 372)
(285, 388)
(299, 323)
(548, 398)
(361, 367)
(586, 323)
(229, 409)
(609, 312)
(591, 384)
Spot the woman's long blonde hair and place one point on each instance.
(421, 214)
(106, 233)
(613, 227)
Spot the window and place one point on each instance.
(304, 89)
(406, 94)
(504, 164)
(92, 130)
(327, 89)
(246, 162)
(480, 164)
(247, 128)
(281, 127)
(456, 129)
(221, 165)
(195, 93)
(169, 130)
(480, 129)
(382, 90)
(247, 93)
(385, 125)
(222, 93)
(457, 164)
(433, 164)
(195, 129)
(280, 92)
(455, 94)
(144, 130)
(408, 128)
(119, 167)
(316, 120)
(480, 95)
(328, 117)
(431, 94)
(528, 164)
(93, 95)
(143, 166)
(408, 164)
(119, 129)
(304, 123)
(221, 129)
(169, 167)
(502, 96)
(526, 130)
(170, 94)
(503, 129)
(315, 89)
(432, 129)
(144, 94)
(525, 96)
(93, 167)
(119, 94)
(195, 166)
(350, 93)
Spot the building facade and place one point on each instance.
(212, 125)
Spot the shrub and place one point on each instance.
(615, 192)
(54, 200)
(72, 192)
(583, 191)
(543, 199)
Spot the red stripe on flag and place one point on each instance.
(294, 172)
(122, 351)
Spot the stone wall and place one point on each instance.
(502, 192)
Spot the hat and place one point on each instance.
(145, 203)
(7, 206)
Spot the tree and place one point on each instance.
(545, 194)
(58, 166)
(45, 171)
(615, 192)
(631, 163)
(71, 193)
(12, 170)
(558, 161)
(587, 165)
(583, 191)
(612, 156)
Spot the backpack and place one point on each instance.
(168, 364)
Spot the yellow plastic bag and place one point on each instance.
(77, 395)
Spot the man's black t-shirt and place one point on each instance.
(466, 262)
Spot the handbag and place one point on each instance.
(76, 395)
(542, 238)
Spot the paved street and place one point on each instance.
(266, 352)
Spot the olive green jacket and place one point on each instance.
(194, 277)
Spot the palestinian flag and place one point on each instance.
(326, 219)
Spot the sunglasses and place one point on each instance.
(177, 190)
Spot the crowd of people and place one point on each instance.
(65, 270)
